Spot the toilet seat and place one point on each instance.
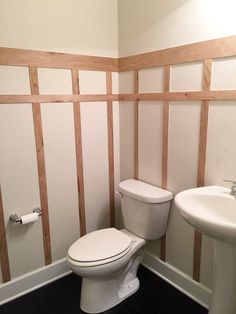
(100, 247)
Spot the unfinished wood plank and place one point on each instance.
(165, 137)
(197, 255)
(176, 96)
(24, 57)
(165, 96)
(79, 152)
(17, 99)
(204, 123)
(165, 128)
(37, 119)
(136, 130)
(110, 150)
(4, 258)
(207, 66)
(210, 49)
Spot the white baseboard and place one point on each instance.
(178, 279)
(33, 280)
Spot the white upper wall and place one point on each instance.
(74, 26)
(150, 25)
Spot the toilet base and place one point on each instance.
(102, 295)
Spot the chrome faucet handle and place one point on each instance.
(231, 181)
(233, 187)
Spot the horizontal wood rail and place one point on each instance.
(175, 96)
(15, 99)
(210, 49)
(166, 96)
(42, 59)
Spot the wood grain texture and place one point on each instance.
(79, 152)
(110, 150)
(17, 99)
(165, 96)
(197, 255)
(136, 127)
(176, 96)
(37, 119)
(216, 48)
(165, 137)
(206, 85)
(24, 57)
(4, 258)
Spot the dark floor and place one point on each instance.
(155, 296)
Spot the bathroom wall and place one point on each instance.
(83, 27)
(158, 25)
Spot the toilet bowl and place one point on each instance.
(108, 259)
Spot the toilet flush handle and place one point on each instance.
(119, 194)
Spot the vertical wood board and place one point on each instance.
(4, 258)
(206, 85)
(79, 153)
(110, 149)
(37, 119)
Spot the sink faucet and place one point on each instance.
(233, 187)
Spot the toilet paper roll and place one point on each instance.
(26, 219)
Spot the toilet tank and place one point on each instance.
(145, 208)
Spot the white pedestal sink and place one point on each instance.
(212, 210)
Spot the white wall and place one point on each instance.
(150, 25)
(75, 26)
(84, 27)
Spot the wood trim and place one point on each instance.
(110, 149)
(216, 48)
(176, 96)
(165, 137)
(79, 152)
(136, 128)
(165, 96)
(165, 128)
(37, 119)
(207, 66)
(206, 85)
(15, 99)
(33, 58)
(4, 258)
(197, 255)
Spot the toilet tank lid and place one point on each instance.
(144, 192)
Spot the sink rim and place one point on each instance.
(215, 227)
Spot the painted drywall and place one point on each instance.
(83, 27)
(150, 25)
(73, 26)
(146, 26)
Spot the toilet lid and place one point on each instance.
(99, 245)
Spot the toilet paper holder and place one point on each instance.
(17, 218)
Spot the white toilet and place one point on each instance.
(108, 259)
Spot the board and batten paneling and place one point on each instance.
(179, 130)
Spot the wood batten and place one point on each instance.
(13, 99)
(165, 137)
(211, 49)
(165, 128)
(206, 85)
(33, 74)
(23, 57)
(136, 129)
(110, 149)
(79, 152)
(176, 96)
(4, 259)
(204, 122)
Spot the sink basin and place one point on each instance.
(211, 210)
